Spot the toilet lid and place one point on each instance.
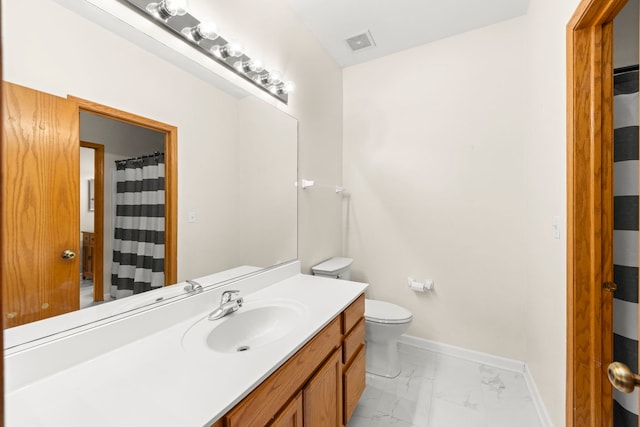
(385, 312)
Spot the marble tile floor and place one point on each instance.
(436, 390)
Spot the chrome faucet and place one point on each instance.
(193, 286)
(228, 304)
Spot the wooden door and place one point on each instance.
(291, 415)
(322, 397)
(40, 193)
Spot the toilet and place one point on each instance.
(384, 322)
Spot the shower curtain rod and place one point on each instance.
(146, 156)
(628, 69)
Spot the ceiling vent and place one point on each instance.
(361, 41)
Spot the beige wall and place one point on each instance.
(433, 146)
(86, 173)
(454, 153)
(85, 60)
(545, 197)
(625, 36)
(266, 195)
(272, 30)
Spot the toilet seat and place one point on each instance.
(385, 312)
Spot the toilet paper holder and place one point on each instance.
(427, 285)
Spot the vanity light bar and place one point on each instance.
(203, 35)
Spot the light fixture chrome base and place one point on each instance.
(177, 25)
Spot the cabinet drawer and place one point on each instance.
(87, 238)
(352, 314)
(353, 381)
(353, 341)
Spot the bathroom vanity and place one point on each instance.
(293, 354)
(318, 386)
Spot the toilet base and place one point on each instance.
(383, 359)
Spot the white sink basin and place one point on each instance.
(254, 325)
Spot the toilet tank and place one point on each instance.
(336, 268)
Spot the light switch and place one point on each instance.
(192, 217)
(555, 227)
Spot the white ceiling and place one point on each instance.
(397, 24)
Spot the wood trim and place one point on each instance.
(2, 254)
(98, 220)
(589, 210)
(171, 175)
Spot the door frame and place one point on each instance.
(171, 175)
(98, 219)
(590, 212)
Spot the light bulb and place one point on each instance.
(175, 7)
(256, 65)
(283, 88)
(234, 49)
(274, 77)
(206, 29)
(250, 65)
(231, 49)
(288, 87)
(167, 8)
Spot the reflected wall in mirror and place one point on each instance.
(237, 157)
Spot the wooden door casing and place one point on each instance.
(98, 220)
(40, 192)
(589, 211)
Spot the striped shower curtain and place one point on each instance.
(138, 245)
(625, 238)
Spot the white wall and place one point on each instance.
(86, 173)
(545, 197)
(455, 160)
(433, 146)
(625, 36)
(274, 32)
(87, 61)
(266, 196)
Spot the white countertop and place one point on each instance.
(154, 381)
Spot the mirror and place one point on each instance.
(237, 155)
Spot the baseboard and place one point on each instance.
(472, 355)
(489, 360)
(545, 419)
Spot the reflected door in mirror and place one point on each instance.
(40, 270)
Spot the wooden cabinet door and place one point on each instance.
(354, 382)
(39, 171)
(291, 416)
(322, 397)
